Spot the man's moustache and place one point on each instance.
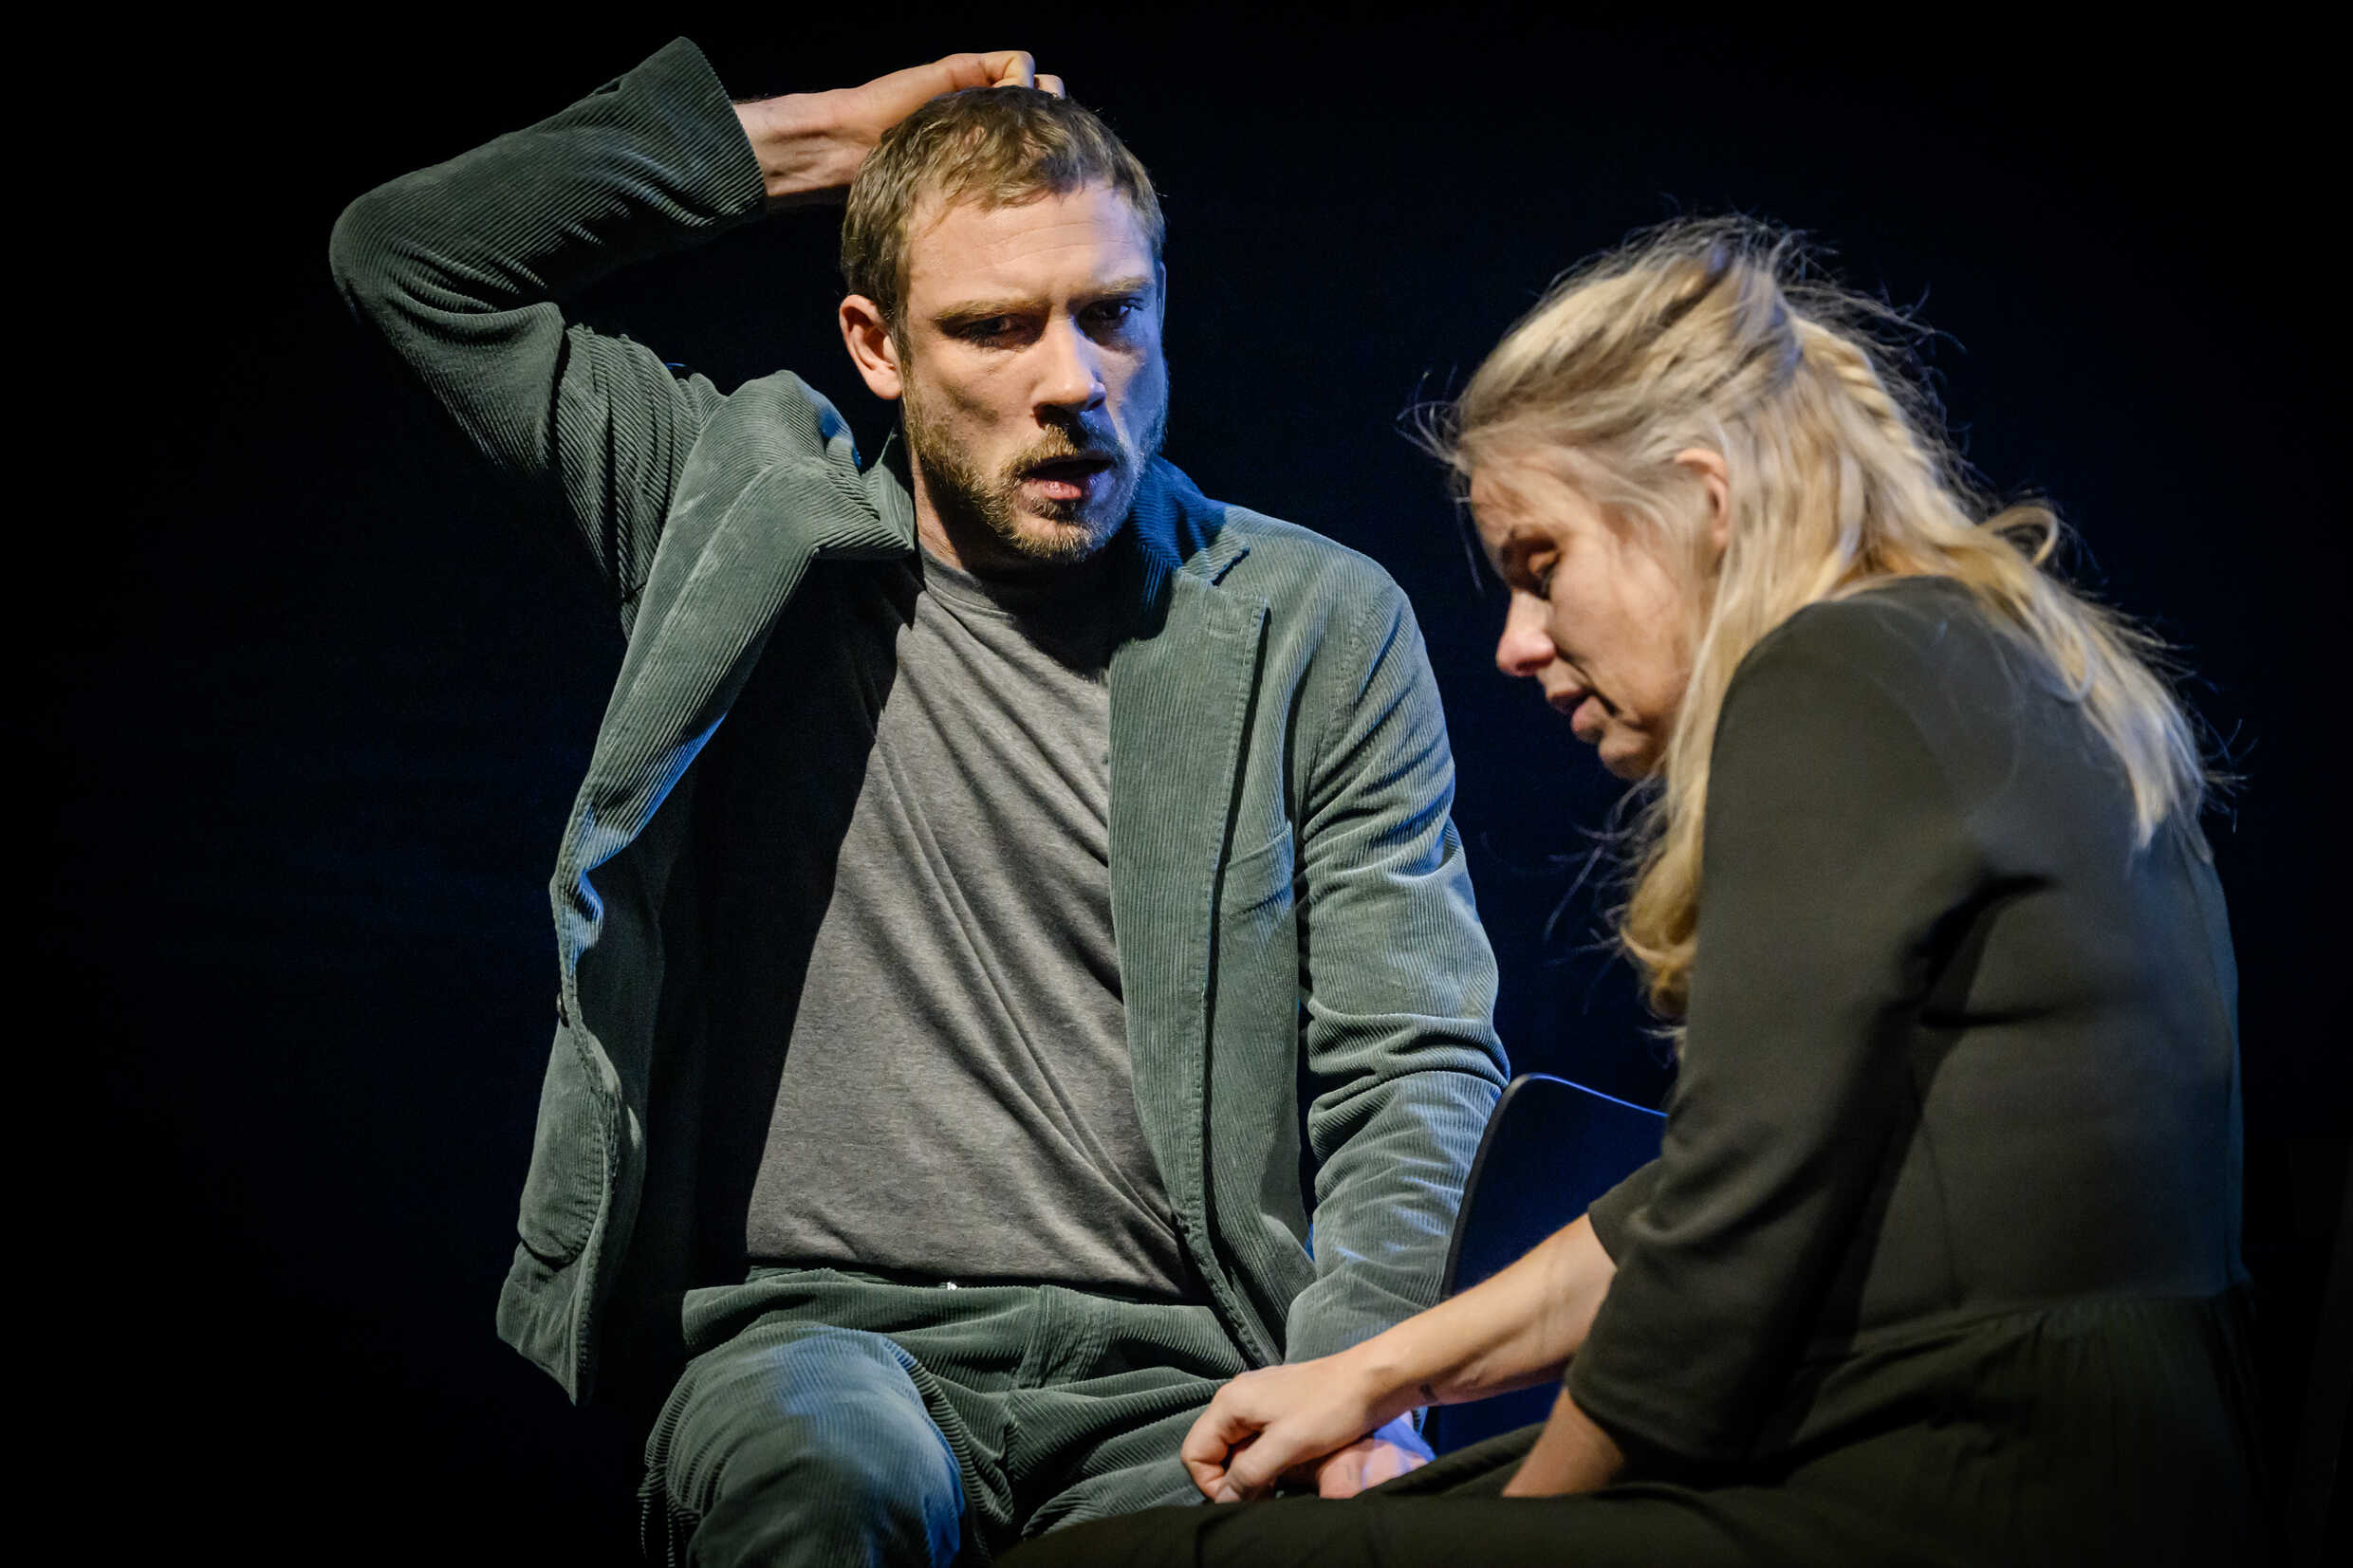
(1086, 446)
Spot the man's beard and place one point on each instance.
(969, 499)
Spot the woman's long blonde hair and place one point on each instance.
(1715, 334)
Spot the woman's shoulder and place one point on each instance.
(1917, 642)
(1913, 679)
(1902, 618)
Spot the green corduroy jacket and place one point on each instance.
(1308, 994)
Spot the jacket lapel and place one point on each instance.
(753, 508)
(1181, 689)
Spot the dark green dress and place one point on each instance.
(1940, 1259)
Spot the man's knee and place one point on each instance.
(817, 1449)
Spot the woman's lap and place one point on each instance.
(1451, 1514)
(1625, 1525)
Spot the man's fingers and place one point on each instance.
(1345, 1474)
(953, 73)
(1011, 69)
(1050, 85)
(1387, 1461)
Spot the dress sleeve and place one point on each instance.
(1612, 1209)
(1833, 855)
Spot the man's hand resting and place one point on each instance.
(1322, 1419)
(1377, 1456)
(810, 144)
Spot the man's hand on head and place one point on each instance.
(884, 102)
(810, 144)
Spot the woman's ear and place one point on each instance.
(873, 350)
(1707, 467)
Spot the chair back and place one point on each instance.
(1551, 1148)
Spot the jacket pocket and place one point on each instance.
(1257, 997)
(565, 1184)
(1260, 881)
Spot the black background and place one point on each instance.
(315, 708)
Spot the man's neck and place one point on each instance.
(969, 548)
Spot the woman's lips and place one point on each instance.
(1585, 711)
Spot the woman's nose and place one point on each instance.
(1524, 647)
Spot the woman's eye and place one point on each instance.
(1542, 579)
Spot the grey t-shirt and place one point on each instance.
(955, 1098)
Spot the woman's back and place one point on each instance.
(2067, 1122)
(1952, 1168)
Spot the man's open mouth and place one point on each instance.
(1066, 479)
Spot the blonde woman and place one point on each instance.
(1941, 1261)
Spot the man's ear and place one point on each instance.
(1159, 292)
(867, 335)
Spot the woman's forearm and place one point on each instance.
(1516, 1329)
(1572, 1455)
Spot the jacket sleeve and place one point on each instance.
(1399, 985)
(459, 268)
(1836, 861)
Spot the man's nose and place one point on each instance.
(1071, 377)
(1524, 647)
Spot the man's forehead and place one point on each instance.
(1089, 237)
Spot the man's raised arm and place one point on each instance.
(459, 268)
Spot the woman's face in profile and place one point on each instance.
(1597, 617)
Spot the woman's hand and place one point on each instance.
(1279, 1422)
(1572, 1455)
(1508, 1331)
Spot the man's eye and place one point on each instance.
(1113, 313)
(987, 327)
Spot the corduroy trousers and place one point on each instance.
(837, 1417)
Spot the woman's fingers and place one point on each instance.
(1269, 1424)
(1232, 1452)
(1253, 1468)
(1050, 85)
(1209, 1476)
(1215, 1433)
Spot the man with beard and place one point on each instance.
(944, 1069)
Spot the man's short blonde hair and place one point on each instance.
(997, 146)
